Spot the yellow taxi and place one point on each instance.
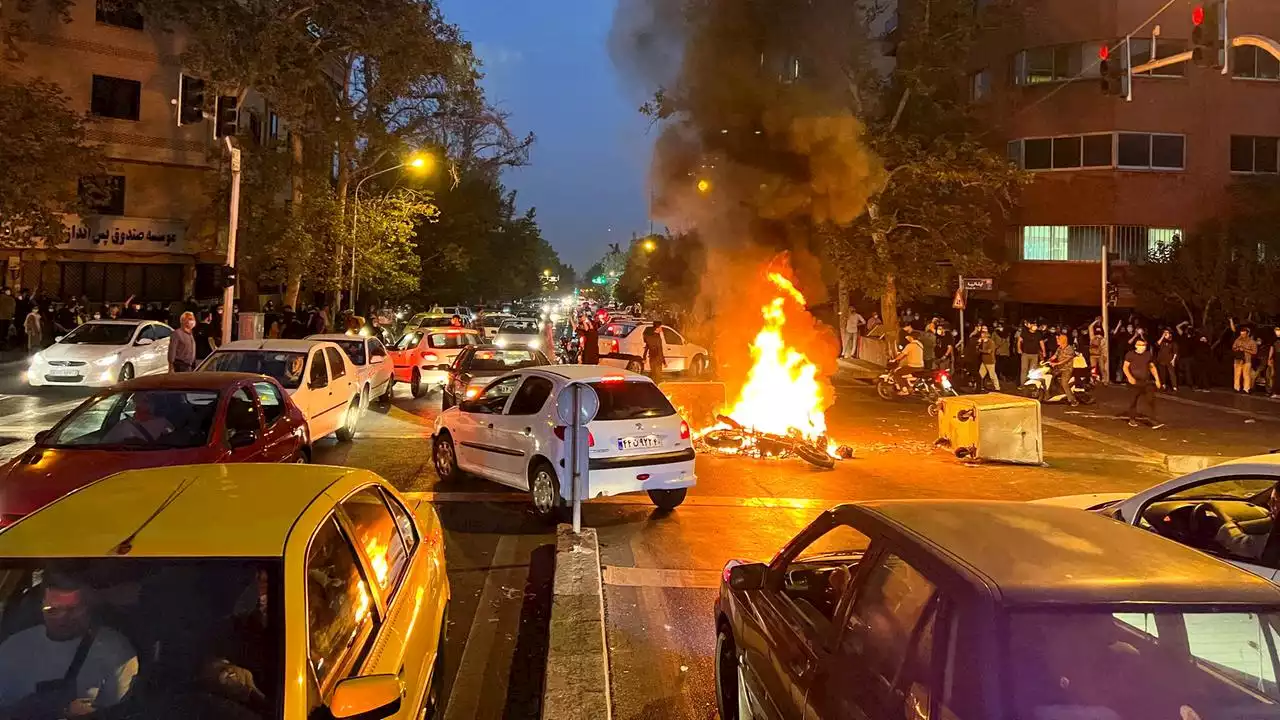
(224, 591)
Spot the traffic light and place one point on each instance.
(227, 275)
(228, 117)
(190, 100)
(1112, 74)
(1206, 34)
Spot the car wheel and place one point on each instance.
(126, 372)
(303, 457)
(698, 367)
(635, 366)
(415, 385)
(347, 432)
(445, 457)
(390, 394)
(726, 675)
(668, 499)
(433, 703)
(544, 488)
(364, 400)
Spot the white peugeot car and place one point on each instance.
(101, 353)
(510, 434)
(622, 345)
(373, 366)
(1191, 509)
(318, 376)
(520, 332)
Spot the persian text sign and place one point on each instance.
(123, 234)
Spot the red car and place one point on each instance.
(171, 419)
(423, 355)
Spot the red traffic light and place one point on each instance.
(1197, 15)
(1104, 52)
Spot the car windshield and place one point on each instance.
(631, 399)
(503, 360)
(354, 350)
(617, 329)
(1229, 489)
(408, 341)
(519, 327)
(283, 366)
(139, 420)
(100, 334)
(1180, 663)
(448, 340)
(171, 638)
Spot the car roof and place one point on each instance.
(337, 337)
(188, 381)
(228, 510)
(1046, 555)
(272, 345)
(122, 322)
(588, 373)
(435, 329)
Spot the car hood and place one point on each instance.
(69, 351)
(39, 476)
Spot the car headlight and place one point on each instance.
(108, 360)
(535, 344)
(37, 358)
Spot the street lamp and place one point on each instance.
(418, 161)
(649, 246)
(704, 186)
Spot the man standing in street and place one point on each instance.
(1167, 360)
(1273, 362)
(1031, 348)
(653, 355)
(852, 331)
(1140, 371)
(589, 341)
(1243, 349)
(182, 345)
(987, 359)
(33, 326)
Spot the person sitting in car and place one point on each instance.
(68, 666)
(146, 425)
(1236, 538)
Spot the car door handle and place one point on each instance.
(490, 426)
(527, 432)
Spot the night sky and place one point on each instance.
(546, 62)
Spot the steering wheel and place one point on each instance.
(1199, 521)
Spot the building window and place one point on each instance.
(1140, 53)
(1083, 243)
(1056, 63)
(103, 195)
(1255, 154)
(1044, 242)
(116, 97)
(273, 126)
(119, 13)
(980, 86)
(1150, 151)
(1067, 152)
(1160, 238)
(1252, 63)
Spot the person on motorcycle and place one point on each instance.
(910, 361)
(1061, 365)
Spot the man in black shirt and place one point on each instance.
(1140, 372)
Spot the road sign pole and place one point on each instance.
(1105, 365)
(962, 304)
(575, 463)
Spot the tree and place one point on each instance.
(44, 153)
(387, 258)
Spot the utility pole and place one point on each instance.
(229, 293)
(1106, 315)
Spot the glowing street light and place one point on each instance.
(649, 246)
(704, 186)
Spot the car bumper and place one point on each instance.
(429, 377)
(606, 482)
(89, 377)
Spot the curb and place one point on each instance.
(576, 686)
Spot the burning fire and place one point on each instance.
(782, 392)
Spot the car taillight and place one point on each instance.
(684, 430)
(562, 430)
(431, 357)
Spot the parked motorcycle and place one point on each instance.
(929, 385)
(1042, 385)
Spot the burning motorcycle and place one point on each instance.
(930, 385)
(1042, 385)
(732, 437)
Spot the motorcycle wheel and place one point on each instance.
(886, 390)
(815, 456)
(935, 407)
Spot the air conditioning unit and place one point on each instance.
(992, 427)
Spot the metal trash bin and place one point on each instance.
(992, 427)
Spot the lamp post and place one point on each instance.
(418, 162)
(229, 292)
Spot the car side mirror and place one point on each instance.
(144, 341)
(446, 368)
(751, 576)
(40, 437)
(243, 438)
(371, 697)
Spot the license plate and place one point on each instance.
(64, 372)
(636, 443)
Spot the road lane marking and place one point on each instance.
(1141, 451)
(765, 503)
(1228, 410)
(660, 578)
(474, 681)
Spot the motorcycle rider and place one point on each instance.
(910, 361)
(1061, 364)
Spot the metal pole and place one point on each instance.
(1226, 41)
(575, 464)
(962, 304)
(1128, 65)
(229, 294)
(1106, 315)
(355, 213)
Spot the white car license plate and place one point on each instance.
(636, 443)
(64, 372)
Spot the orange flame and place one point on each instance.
(783, 391)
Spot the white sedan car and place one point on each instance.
(520, 332)
(318, 376)
(101, 353)
(1192, 509)
(510, 434)
(374, 368)
(622, 345)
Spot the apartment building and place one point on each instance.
(157, 236)
(1135, 172)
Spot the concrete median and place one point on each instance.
(577, 679)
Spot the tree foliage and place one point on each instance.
(43, 153)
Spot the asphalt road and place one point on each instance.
(661, 569)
